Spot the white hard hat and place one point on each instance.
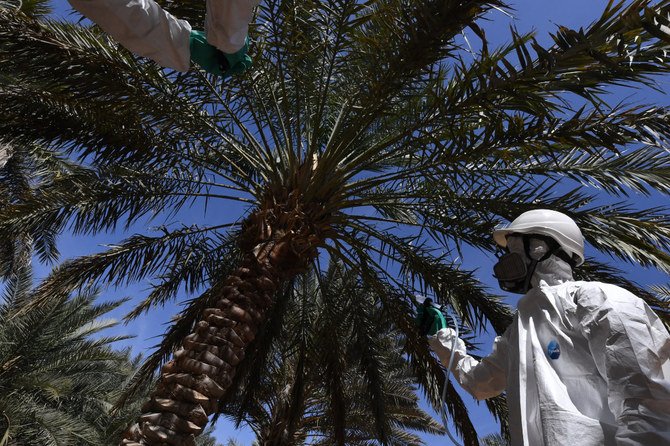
(550, 223)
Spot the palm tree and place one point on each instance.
(23, 171)
(59, 378)
(55, 380)
(495, 440)
(364, 134)
(336, 372)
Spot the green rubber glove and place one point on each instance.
(430, 320)
(238, 62)
(213, 61)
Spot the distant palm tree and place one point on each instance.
(14, 184)
(336, 371)
(364, 133)
(233, 442)
(22, 172)
(55, 380)
(59, 378)
(495, 440)
(207, 438)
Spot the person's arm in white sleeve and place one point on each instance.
(631, 347)
(482, 379)
(143, 27)
(148, 30)
(227, 23)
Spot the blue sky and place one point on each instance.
(540, 15)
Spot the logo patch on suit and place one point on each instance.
(553, 349)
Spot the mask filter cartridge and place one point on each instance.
(511, 272)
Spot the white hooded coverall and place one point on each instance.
(147, 30)
(608, 385)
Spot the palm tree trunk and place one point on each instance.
(191, 384)
(279, 240)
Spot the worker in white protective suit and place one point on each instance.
(147, 30)
(583, 363)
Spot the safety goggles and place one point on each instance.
(533, 247)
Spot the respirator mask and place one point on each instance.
(515, 268)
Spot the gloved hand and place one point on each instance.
(212, 60)
(442, 344)
(430, 320)
(238, 62)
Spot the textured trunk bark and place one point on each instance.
(191, 384)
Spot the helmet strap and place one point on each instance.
(566, 258)
(531, 270)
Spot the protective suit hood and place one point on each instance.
(552, 271)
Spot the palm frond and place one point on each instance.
(56, 381)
